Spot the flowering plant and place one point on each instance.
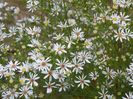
(66, 48)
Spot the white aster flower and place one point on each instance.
(81, 81)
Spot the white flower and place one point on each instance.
(88, 43)
(109, 73)
(43, 64)
(49, 86)
(120, 35)
(69, 41)
(128, 33)
(60, 76)
(64, 65)
(78, 66)
(130, 69)
(35, 43)
(32, 80)
(63, 86)
(124, 18)
(49, 74)
(103, 93)
(115, 19)
(35, 31)
(32, 5)
(93, 75)
(26, 92)
(10, 94)
(26, 66)
(128, 96)
(77, 34)
(84, 56)
(58, 36)
(59, 49)
(34, 55)
(13, 66)
(2, 71)
(82, 81)
(61, 25)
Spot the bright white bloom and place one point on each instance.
(69, 41)
(109, 73)
(2, 71)
(25, 67)
(35, 43)
(35, 31)
(13, 66)
(63, 86)
(43, 64)
(26, 92)
(77, 34)
(50, 74)
(49, 86)
(81, 81)
(32, 80)
(64, 65)
(78, 66)
(103, 94)
(115, 19)
(59, 49)
(124, 18)
(34, 55)
(10, 94)
(84, 56)
(128, 96)
(32, 5)
(93, 75)
(120, 35)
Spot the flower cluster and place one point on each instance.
(82, 49)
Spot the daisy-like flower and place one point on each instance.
(124, 18)
(69, 41)
(93, 75)
(103, 94)
(50, 74)
(25, 67)
(60, 76)
(59, 49)
(32, 5)
(35, 43)
(81, 81)
(35, 31)
(120, 35)
(26, 91)
(115, 19)
(61, 25)
(84, 56)
(109, 73)
(63, 86)
(77, 34)
(49, 86)
(32, 80)
(10, 94)
(128, 96)
(58, 36)
(2, 71)
(43, 64)
(13, 66)
(88, 43)
(34, 55)
(128, 33)
(130, 69)
(64, 65)
(130, 79)
(78, 65)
